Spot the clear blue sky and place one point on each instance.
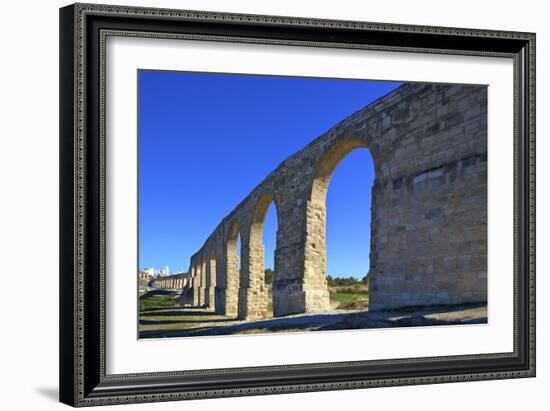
(206, 140)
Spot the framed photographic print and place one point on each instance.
(262, 204)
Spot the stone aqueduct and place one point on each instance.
(172, 282)
(429, 212)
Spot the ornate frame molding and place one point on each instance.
(82, 296)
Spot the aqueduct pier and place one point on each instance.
(429, 212)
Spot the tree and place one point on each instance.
(342, 281)
(269, 275)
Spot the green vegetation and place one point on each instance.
(160, 315)
(346, 281)
(348, 293)
(269, 275)
(348, 297)
(156, 301)
(347, 300)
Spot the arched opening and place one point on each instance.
(261, 265)
(270, 229)
(348, 230)
(328, 165)
(339, 230)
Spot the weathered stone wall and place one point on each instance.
(429, 211)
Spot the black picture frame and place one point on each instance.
(83, 381)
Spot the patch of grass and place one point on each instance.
(349, 297)
(156, 301)
(352, 289)
(269, 313)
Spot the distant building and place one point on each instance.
(146, 274)
(165, 271)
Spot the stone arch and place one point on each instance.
(428, 167)
(328, 164)
(314, 287)
(253, 295)
(359, 217)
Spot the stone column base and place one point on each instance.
(252, 303)
(298, 298)
(225, 301)
(288, 298)
(210, 298)
(220, 300)
(317, 299)
(201, 296)
(229, 301)
(196, 299)
(186, 297)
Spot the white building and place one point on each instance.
(165, 271)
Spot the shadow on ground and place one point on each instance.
(181, 321)
(189, 322)
(50, 393)
(414, 317)
(159, 312)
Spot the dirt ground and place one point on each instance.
(186, 322)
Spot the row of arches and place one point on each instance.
(233, 281)
(172, 282)
(428, 227)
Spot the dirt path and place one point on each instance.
(187, 322)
